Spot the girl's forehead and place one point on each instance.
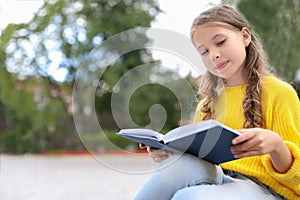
(207, 33)
(218, 26)
(212, 29)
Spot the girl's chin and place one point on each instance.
(220, 75)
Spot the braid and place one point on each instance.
(256, 70)
(251, 102)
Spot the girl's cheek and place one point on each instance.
(209, 65)
(206, 62)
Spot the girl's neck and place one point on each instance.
(235, 81)
(241, 81)
(238, 78)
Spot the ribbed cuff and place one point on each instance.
(292, 177)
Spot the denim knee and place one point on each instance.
(189, 170)
(178, 172)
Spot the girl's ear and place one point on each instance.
(246, 36)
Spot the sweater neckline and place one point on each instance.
(242, 87)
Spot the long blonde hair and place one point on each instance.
(256, 66)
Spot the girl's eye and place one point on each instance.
(203, 52)
(221, 42)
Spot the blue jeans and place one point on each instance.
(188, 177)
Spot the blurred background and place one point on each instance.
(40, 59)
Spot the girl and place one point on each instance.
(241, 92)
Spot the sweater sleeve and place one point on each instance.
(286, 122)
(291, 178)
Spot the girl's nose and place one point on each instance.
(214, 55)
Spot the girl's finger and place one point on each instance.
(142, 146)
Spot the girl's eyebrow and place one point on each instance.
(217, 35)
(214, 37)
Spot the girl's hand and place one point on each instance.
(157, 155)
(258, 141)
(255, 142)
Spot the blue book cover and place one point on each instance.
(208, 140)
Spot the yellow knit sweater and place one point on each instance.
(281, 114)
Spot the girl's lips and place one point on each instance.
(222, 65)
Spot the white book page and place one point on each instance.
(141, 133)
(186, 130)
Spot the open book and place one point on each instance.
(209, 140)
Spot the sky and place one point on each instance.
(177, 16)
(17, 11)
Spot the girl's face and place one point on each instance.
(223, 51)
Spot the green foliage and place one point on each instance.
(174, 95)
(278, 24)
(149, 95)
(107, 140)
(72, 29)
(36, 116)
(61, 35)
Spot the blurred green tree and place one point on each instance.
(278, 24)
(34, 116)
(57, 41)
(64, 32)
